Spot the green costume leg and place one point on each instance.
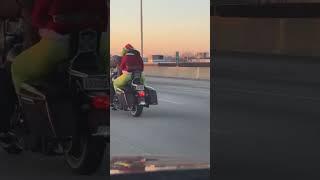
(121, 81)
(143, 79)
(38, 61)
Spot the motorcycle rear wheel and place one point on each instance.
(137, 111)
(85, 154)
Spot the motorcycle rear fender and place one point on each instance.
(43, 120)
(99, 123)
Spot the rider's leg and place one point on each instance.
(122, 80)
(38, 61)
(143, 79)
(32, 65)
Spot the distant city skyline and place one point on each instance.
(173, 54)
(169, 26)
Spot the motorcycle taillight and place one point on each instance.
(141, 93)
(100, 102)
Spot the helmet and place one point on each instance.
(115, 60)
(126, 48)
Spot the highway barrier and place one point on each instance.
(198, 73)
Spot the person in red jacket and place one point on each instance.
(131, 61)
(56, 19)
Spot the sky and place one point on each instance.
(169, 25)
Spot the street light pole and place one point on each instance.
(141, 22)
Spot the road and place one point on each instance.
(266, 128)
(30, 165)
(178, 127)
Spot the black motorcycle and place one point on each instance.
(70, 110)
(134, 97)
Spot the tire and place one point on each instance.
(90, 156)
(137, 111)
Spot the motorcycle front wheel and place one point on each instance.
(85, 153)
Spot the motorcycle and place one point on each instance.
(70, 111)
(134, 97)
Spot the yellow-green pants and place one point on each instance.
(123, 80)
(35, 63)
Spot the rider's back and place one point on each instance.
(45, 10)
(132, 61)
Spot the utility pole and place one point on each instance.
(141, 22)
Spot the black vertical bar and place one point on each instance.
(212, 84)
(4, 26)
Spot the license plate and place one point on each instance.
(95, 83)
(140, 87)
(142, 103)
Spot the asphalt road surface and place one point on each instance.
(30, 165)
(178, 127)
(266, 127)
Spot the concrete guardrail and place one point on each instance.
(198, 73)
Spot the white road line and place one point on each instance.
(169, 101)
(184, 92)
(198, 92)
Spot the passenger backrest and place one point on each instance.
(85, 51)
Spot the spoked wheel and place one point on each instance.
(136, 111)
(84, 153)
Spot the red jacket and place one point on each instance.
(44, 10)
(131, 62)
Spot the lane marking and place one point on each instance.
(169, 101)
(197, 92)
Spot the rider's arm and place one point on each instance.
(142, 64)
(119, 72)
(40, 16)
(123, 63)
(9, 9)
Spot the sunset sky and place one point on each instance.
(169, 25)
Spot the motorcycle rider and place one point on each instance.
(36, 62)
(131, 61)
(115, 65)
